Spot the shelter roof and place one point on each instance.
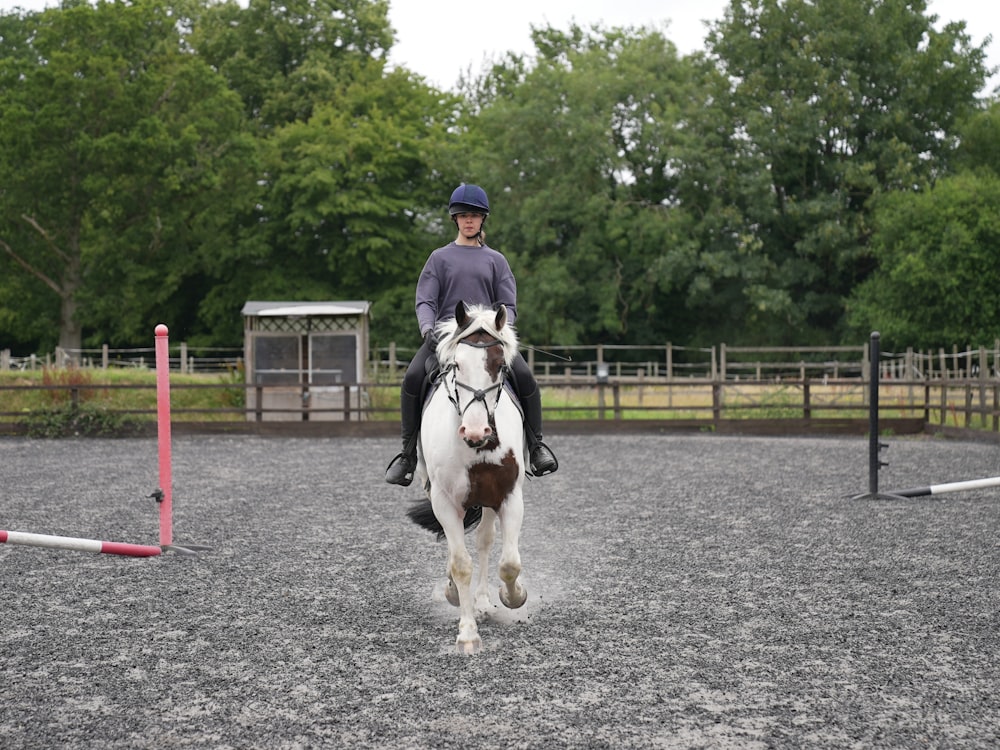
(258, 309)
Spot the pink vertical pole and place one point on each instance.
(163, 433)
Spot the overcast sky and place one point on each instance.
(440, 39)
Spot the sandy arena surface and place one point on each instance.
(684, 592)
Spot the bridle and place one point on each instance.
(478, 394)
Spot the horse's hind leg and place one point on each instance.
(512, 593)
(485, 535)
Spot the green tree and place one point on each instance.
(349, 195)
(979, 140)
(837, 102)
(938, 252)
(350, 209)
(120, 154)
(283, 58)
(579, 152)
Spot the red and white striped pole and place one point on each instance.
(163, 434)
(80, 545)
(164, 494)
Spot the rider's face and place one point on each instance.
(469, 224)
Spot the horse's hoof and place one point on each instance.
(451, 593)
(516, 600)
(467, 646)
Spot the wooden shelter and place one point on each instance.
(307, 357)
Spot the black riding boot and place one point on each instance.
(541, 458)
(401, 468)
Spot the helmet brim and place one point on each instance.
(467, 208)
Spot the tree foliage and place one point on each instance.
(581, 154)
(839, 101)
(801, 180)
(119, 151)
(347, 185)
(939, 266)
(938, 252)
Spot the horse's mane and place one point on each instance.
(481, 318)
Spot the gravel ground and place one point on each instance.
(684, 592)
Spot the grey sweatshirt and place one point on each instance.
(453, 273)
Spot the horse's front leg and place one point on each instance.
(512, 593)
(485, 535)
(459, 573)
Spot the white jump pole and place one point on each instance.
(939, 489)
(80, 545)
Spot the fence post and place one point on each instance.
(806, 401)
(670, 361)
(722, 361)
(983, 370)
(865, 369)
(996, 405)
(908, 376)
(184, 355)
(5, 359)
(104, 356)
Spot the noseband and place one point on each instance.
(478, 394)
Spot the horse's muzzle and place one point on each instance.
(475, 437)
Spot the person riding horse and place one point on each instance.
(468, 270)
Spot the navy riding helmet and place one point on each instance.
(467, 199)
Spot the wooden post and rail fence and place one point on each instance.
(769, 390)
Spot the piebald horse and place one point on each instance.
(471, 461)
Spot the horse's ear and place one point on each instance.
(461, 315)
(501, 318)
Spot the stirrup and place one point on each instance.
(548, 463)
(400, 470)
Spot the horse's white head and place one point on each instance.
(470, 320)
(476, 348)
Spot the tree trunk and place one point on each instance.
(70, 331)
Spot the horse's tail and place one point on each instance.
(422, 514)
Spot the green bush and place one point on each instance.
(85, 420)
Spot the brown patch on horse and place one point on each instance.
(494, 352)
(490, 484)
